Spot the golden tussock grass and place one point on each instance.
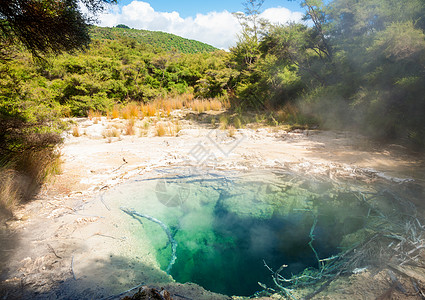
(197, 105)
(21, 179)
(115, 113)
(9, 192)
(177, 103)
(130, 111)
(111, 132)
(216, 105)
(165, 106)
(129, 128)
(125, 112)
(160, 129)
(167, 128)
(134, 110)
(151, 110)
(188, 101)
(90, 114)
(76, 131)
(207, 105)
(96, 115)
(231, 131)
(187, 97)
(144, 128)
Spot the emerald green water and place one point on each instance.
(227, 225)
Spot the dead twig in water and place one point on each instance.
(166, 230)
(101, 199)
(109, 236)
(72, 268)
(54, 252)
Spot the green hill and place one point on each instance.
(156, 39)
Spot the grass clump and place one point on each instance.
(150, 110)
(237, 122)
(126, 113)
(231, 131)
(115, 114)
(94, 115)
(111, 132)
(22, 177)
(129, 128)
(134, 110)
(215, 105)
(224, 121)
(160, 129)
(76, 131)
(9, 192)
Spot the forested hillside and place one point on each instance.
(114, 69)
(157, 39)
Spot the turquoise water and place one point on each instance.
(227, 225)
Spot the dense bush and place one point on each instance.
(357, 65)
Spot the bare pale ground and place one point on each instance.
(66, 243)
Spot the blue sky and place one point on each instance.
(189, 8)
(209, 22)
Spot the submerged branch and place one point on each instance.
(167, 231)
(311, 243)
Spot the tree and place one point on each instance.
(315, 11)
(46, 26)
(122, 26)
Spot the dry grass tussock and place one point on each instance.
(129, 127)
(76, 131)
(231, 131)
(289, 111)
(167, 128)
(115, 113)
(21, 179)
(9, 192)
(111, 132)
(162, 107)
(130, 111)
(95, 116)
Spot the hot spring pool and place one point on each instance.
(228, 225)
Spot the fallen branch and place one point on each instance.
(109, 236)
(311, 235)
(166, 230)
(124, 163)
(396, 283)
(72, 268)
(101, 199)
(53, 250)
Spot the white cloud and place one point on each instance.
(219, 29)
(281, 15)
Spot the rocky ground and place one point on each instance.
(44, 248)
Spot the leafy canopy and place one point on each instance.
(44, 26)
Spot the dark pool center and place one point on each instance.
(227, 225)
